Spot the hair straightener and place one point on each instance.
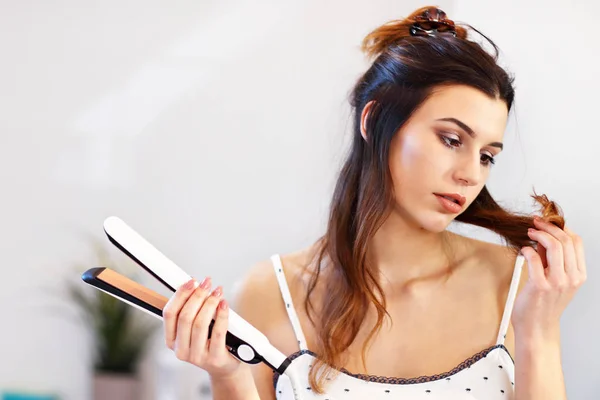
(244, 341)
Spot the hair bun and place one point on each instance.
(425, 21)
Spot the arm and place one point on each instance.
(239, 387)
(257, 299)
(538, 371)
(556, 269)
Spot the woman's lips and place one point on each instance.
(449, 205)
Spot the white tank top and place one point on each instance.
(487, 375)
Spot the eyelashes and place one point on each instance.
(446, 141)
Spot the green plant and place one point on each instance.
(120, 332)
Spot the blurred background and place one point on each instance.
(216, 130)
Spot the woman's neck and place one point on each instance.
(402, 253)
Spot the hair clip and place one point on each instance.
(426, 25)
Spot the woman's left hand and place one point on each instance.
(556, 271)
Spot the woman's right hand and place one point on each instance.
(187, 317)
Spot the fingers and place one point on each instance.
(534, 266)
(561, 253)
(173, 308)
(554, 253)
(579, 253)
(199, 333)
(186, 319)
(217, 346)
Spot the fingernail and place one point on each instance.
(206, 283)
(218, 291)
(223, 305)
(189, 284)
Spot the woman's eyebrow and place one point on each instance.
(468, 129)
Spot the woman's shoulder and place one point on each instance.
(258, 299)
(494, 261)
(260, 283)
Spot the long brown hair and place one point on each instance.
(405, 70)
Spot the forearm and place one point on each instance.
(538, 369)
(239, 387)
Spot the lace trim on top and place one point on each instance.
(406, 381)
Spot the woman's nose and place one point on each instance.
(469, 171)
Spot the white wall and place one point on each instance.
(216, 128)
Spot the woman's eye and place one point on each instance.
(487, 160)
(448, 141)
(454, 143)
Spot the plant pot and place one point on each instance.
(109, 386)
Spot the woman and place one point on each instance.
(388, 303)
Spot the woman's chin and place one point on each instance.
(427, 220)
(437, 223)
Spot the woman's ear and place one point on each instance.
(363, 119)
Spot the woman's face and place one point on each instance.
(429, 155)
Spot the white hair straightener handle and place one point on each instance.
(244, 341)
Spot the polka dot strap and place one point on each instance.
(510, 300)
(287, 298)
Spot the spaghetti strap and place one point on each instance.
(287, 298)
(510, 299)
